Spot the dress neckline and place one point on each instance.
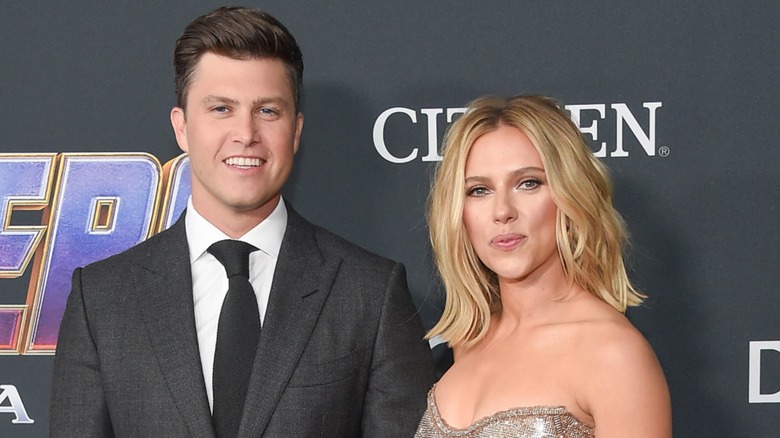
(502, 415)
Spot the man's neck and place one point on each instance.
(236, 223)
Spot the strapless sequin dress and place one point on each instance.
(531, 422)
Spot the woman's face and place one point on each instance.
(509, 213)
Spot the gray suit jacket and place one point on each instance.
(341, 352)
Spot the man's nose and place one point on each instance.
(245, 129)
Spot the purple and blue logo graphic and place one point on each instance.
(93, 206)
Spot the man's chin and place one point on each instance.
(255, 206)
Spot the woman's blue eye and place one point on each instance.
(530, 184)
(476, 191)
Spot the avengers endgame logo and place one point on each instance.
(92, 206)
(603, 125)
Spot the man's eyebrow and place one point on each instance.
(264, 100)
(212, 99)
(215, 99)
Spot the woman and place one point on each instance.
(530, 251)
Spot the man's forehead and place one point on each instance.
(220, 62)
(221, 85)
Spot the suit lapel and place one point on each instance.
(301, 284)
(164, 287)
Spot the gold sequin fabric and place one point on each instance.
(530, 422)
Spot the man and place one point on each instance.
(336, 347)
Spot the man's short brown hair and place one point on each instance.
(238, 33)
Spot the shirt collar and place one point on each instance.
(265, 236)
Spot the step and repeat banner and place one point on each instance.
(679, 99)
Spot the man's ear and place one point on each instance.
(298, 130)
(179, 124)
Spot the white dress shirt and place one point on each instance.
(210, 283)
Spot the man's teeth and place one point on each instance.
(243, 162)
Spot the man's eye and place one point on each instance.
(220, 109)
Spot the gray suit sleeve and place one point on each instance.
(402, 368)
(78, 405)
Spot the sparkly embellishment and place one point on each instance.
(529, 422)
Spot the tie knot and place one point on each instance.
(234, 256)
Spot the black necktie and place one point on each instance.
(237, 336)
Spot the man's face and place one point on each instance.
(241, 131)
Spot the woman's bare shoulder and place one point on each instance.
(621, 382)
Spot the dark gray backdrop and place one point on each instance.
(702, 209)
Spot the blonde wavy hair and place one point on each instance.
(590, 233)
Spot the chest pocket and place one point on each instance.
(330, 371)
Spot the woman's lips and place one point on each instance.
(508, 241)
